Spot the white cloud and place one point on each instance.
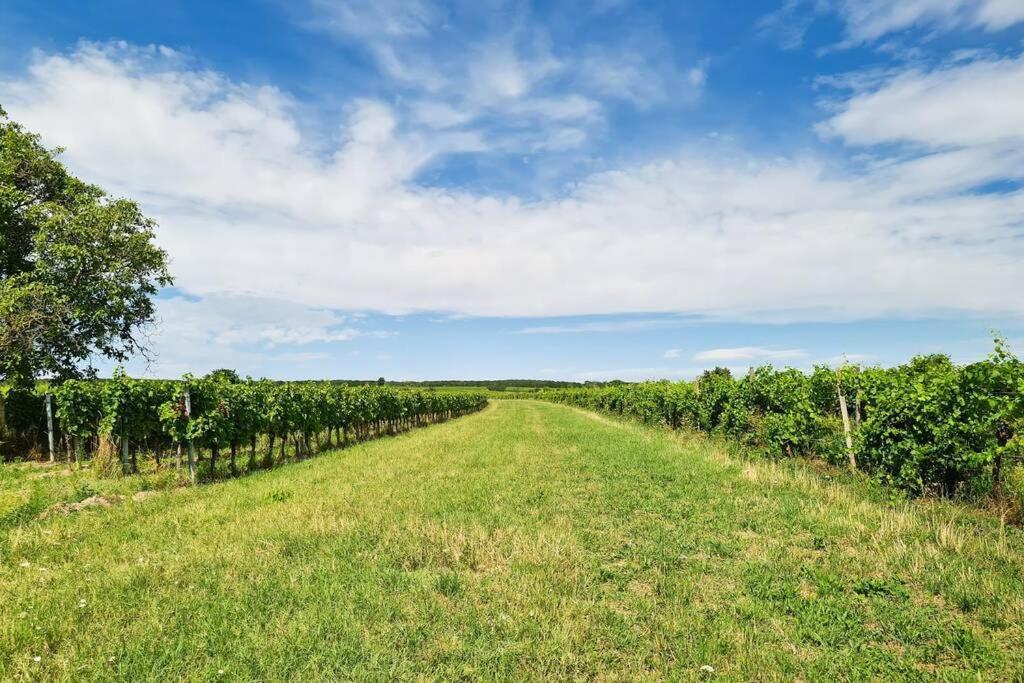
(639, 70)
(374, 18)
(562, 139)
(605, 326)
(749, 353)
(504, 73)
(277, 335)
(239, 321)
(786, 24)
(497, 72)
(970, 103)
(245, 207)
(570, 108)
(304, 356)
(440, 114)
(868, 20)
(672, 353)
(697, 75)
(243, 332)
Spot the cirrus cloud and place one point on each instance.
(749, 353)
(868, 20)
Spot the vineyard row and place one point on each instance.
(117, 421)
(926, 427)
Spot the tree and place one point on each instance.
(225, 375)
(78, 269)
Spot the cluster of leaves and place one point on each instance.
(928, 426)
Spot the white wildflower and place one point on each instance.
(707, 669)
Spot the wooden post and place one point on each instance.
(191, 444)
(846, 424)
(49, 426)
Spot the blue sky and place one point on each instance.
(573, 190)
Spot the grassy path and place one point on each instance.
(527, 541)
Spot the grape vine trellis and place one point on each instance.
(124, 418)
(928, 426)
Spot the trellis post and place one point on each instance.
(49, 426)
(124, 454)
(846, 424)
(191, 444)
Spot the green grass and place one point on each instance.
(527, 541)
(28, 489)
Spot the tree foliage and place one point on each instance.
(78, 269)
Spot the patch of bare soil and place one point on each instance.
(90, 502)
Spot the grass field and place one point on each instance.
(527, 541)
